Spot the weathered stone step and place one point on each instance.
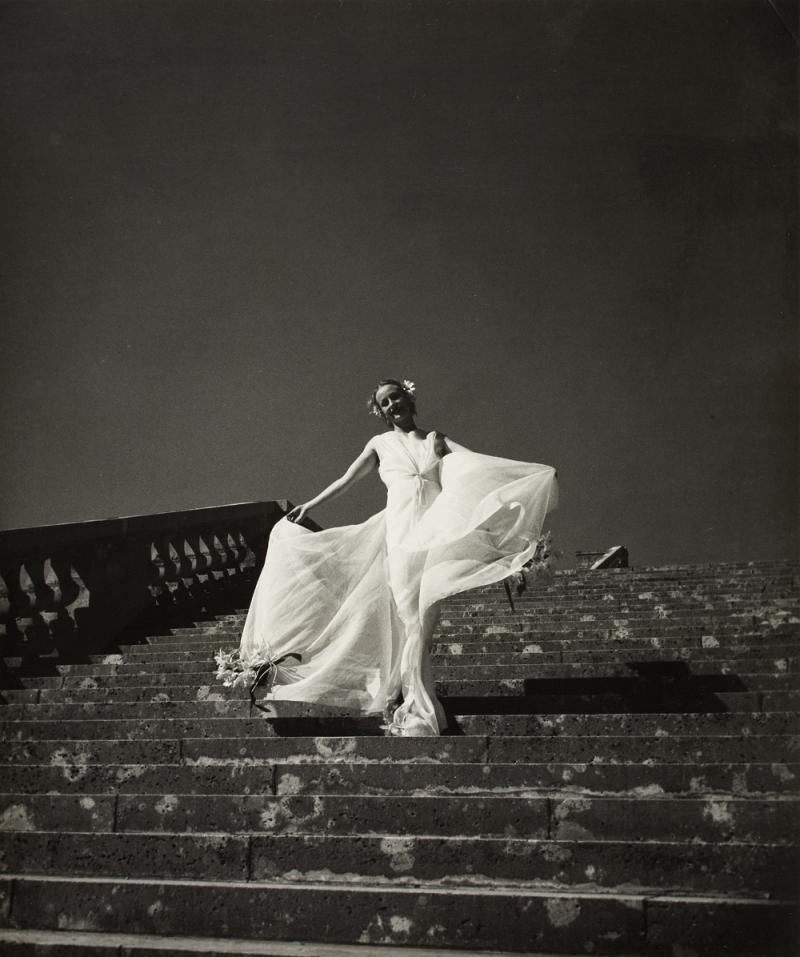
(714, 819)
(538, 668)
(546, 920)
(450, 629)
(159, 728)
(654, 866)
(67, 753)
(488, 680)
(548, 746)
(649, 700)
(508, 642)
(455, 631)
(536, 749)
(321, 777)
(790, 653)
(39, 943)
(620, 683)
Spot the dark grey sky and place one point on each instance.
(573, 224)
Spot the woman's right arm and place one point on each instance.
(366, 462)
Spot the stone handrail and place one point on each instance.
(69, 590)
(614, 557)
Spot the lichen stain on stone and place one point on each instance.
(289, 784)
(556, 853)
(399, 851)
(782, 772)
(532, 650)
(166, 804)
(269, 817)
(88, 804)
(401, 926)
(74, 764)
(130, 772)
(155, 908)
(68, 922)
(562, 911)
(648, 790)
(335, 747)
(709, 641)
(161, 698)
(16, 817)
(718, 811)
(781, 664)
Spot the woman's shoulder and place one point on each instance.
(439, 440)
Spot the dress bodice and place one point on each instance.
(403, 458)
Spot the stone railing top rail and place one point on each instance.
(15, 542)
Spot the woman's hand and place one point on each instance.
(297, 514)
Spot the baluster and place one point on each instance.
(249, 559)
(206, 560)
(233, 549)
(82, 595)
(156, 587)
(220, 569)
(190, 561)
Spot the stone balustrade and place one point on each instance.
(69, 590)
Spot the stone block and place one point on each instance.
(52, 812)
(734, 928)
(510, 816)
(714, 819)
(547, 922)
(139, 779)
(222, 857)
(334, 749)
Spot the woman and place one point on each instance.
(357, 605)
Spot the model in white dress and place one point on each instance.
(359, 603)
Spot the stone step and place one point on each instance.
(39, 943)
(790, 653)
(321, 777)
(138, 727)
(187, 672)
(760, 870)
(547, 920)
(620, 626)
(548, 746)
(511, 643)
(671, 667)
(233, 702)
(475, 630)
(186, 701)
(569, 817)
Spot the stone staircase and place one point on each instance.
(620, 776)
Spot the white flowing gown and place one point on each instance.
(359, 603)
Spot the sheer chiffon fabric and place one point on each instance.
(359, 603)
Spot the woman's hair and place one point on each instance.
(405, 384)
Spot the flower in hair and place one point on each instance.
(409, 386)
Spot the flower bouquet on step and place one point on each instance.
(250, 671)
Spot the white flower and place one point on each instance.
(409, 386)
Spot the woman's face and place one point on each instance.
(395, 404)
